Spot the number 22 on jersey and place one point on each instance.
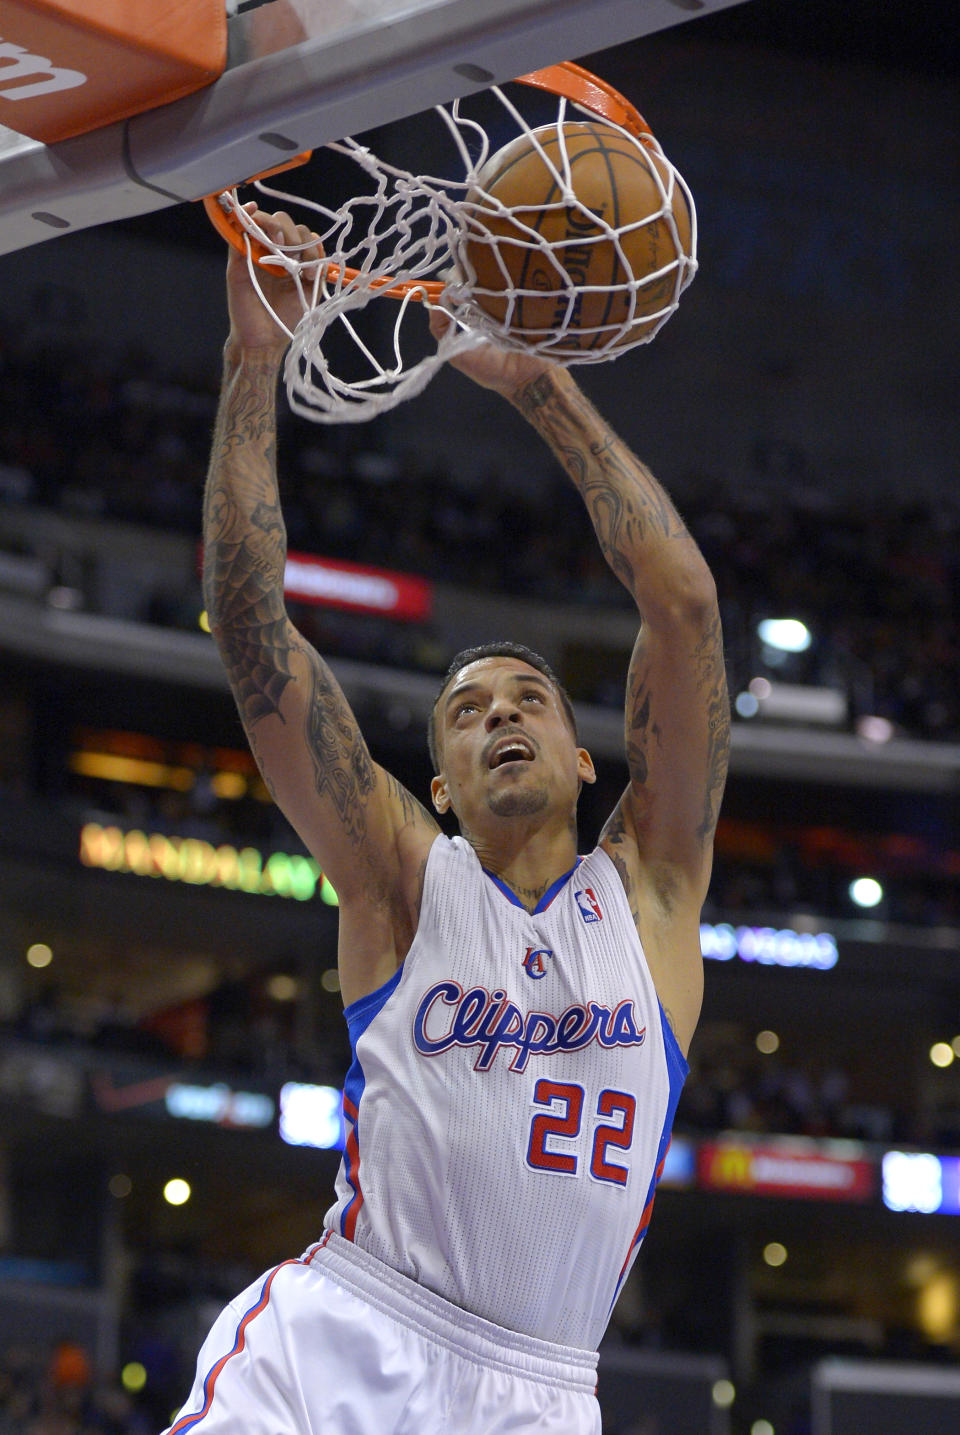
(555, 1143)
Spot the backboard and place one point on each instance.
(301, 73)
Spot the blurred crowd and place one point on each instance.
(923, 893)
(877, 582)
(52, 1390)
(735, 1090)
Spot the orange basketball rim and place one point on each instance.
(566, 80)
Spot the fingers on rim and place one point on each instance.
(281, 229)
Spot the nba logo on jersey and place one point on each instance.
(535, 963)
(588, 905)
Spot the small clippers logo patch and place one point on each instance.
(535, 962)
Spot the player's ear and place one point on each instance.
(585, 768)
(439, 794)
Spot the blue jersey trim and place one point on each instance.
(360, 1014)
(678, 1070)
(548, 895)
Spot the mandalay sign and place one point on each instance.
(201, 864)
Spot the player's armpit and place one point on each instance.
(415, 831)
(665, 907)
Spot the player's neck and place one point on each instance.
(527, 862)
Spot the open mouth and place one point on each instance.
(512, 749)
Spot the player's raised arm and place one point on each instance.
(677, 719)
(677, 715)
(367, 832)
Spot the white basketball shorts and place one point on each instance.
(337, 1343)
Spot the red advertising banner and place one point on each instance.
(335, 583)
(775, 1169)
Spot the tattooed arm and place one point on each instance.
(677, 718)
(366, 831)
(677, 723)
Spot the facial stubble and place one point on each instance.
(518, 803)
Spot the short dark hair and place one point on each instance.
(497, 650)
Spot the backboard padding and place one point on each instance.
(357, 65)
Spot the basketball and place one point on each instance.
(619, 185)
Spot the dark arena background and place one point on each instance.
(171, 1039)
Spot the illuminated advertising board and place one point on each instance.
(335, 583)
(769, 946)
(921, 1182)
(218, 1104)
(114, 1092)
(200, 864)
(680, 1163)
(814, 1171)
(311, 1116)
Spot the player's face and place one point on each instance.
(506, 746)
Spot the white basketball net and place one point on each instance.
(411, 228)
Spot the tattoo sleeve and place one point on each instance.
(245, 542)
(631, 513)
(244, 562)
(342, 764)
(411, 808)
(650, 550)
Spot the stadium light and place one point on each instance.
(787, 635)
(723, 1393)
(865, 892)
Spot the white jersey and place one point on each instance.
(510, 1101)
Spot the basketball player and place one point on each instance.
(519, 1016)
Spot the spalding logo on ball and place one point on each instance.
(580, 231)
